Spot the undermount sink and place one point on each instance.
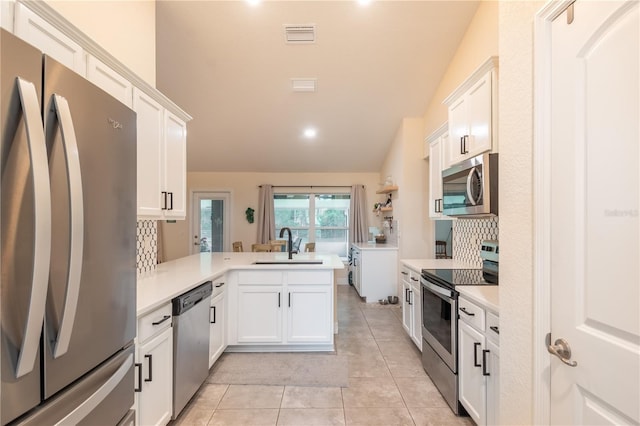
(288, 262)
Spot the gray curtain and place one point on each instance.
(358, 227)
(266, 218)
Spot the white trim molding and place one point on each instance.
(542, 207)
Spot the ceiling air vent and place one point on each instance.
(297, 34)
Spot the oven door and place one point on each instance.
(439, 321)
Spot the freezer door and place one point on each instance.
(23, 247)
(91, 140)
(103, 397)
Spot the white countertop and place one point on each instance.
(485, 295)
(375, 246)
(173, 278)
(420, 264)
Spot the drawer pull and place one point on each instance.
(404, 273)
(495, 329)
(471, 314)
(414, 279)
(219, 285)
(164, 318)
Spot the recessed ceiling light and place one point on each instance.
(254, 2)
(364, 2)
(310, 133)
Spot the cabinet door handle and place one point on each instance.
(150, 376)
(484, 362)
(278, 299)
(213, 308)
(289, 299)
(494, 328)
(464, 144)
(164, 318)
(464, 310)
(164, 195)
(410, 297)
(406, 295)
(171, 200)
(138, 388)
(461, 144)
(475, 354)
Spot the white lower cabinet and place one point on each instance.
(154, 368)
(479, 362)
(281, 308)
(218, 335)
(411, 304)
(375, 271)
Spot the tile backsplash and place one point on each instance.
(146, 246)
(467, 236)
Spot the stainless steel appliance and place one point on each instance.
(190, 343)
(470, 188)
(68, 227)
(440, 319)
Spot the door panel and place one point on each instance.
(595, 181)
(17, 229)
(105, 318)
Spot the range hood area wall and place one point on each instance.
(467, 235)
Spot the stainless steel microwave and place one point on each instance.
(470, 188)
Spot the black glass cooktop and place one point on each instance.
(453, 277)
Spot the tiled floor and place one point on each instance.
(387, 385)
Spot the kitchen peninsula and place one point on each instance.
(286, 305)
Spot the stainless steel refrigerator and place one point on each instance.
(68, 228)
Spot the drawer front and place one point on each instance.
(309, 277)
(414, 278)
(471, 313)
(493, 327)
(219, 285)
(154, 322)
(405, 273)
(260, 277)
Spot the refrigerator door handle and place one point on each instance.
(42, 226)
(89, 404)
(70, 144)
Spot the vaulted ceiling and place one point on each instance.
(227, 64)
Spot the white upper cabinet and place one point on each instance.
(473, 113)
(175, 165)
(150, 184)
(109, 80)
(437, 142)
(37, 31)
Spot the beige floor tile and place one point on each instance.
(368, 365)
(209, 396)
(244, 417)
(438, 416)
(252, 396)
(193, 416)
(311, 397)
(311, 416)
(390, 331)
(420, 392)
(402, 346)
(402, 367)
(372, 392)
(356, 346)
(378, 416)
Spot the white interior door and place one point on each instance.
(210, 222)
(595, 188)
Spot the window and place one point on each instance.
(319, 218)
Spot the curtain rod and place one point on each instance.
(309, 186)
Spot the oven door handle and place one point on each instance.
(441, 292)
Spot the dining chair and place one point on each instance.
(441, 250)
(237, 246)
(310, 247)
(278, 245)
(261, 247)
(296, 245)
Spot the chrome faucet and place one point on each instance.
(289, 242)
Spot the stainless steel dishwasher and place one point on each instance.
(190, 344)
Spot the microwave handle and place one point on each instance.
(473, 200)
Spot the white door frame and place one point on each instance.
(542, 208)
(216, 193)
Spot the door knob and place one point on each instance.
(562, 350)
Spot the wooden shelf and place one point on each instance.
(386, 209)
(387, 189)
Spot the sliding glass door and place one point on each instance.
(210, 222)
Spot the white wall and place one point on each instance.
(244, 192)
(125, 28)
(516, 210)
